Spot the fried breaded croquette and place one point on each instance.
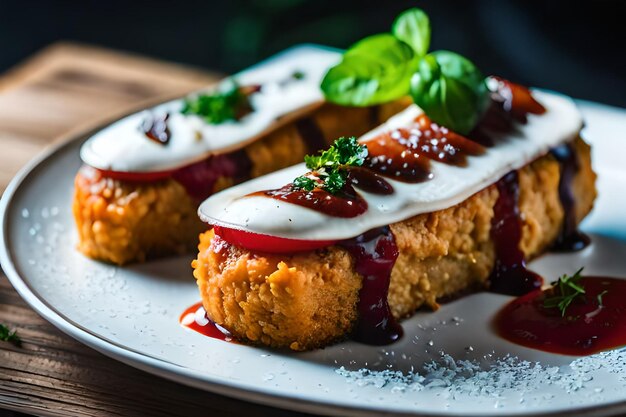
(308, 300)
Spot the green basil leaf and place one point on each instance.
(462, 69)
(376, 70)
(450, 90)
(413, 27)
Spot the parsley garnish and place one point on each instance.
(228, 103)
(565, 290)
(9, 336)
(329, 168)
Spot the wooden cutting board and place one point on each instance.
(66, 88)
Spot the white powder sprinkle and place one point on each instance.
(471, 378)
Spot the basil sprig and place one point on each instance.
(375, 70)
(413, 28)
(382, 68)
(450, 90)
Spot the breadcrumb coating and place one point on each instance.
(308, 300)
(125, 221)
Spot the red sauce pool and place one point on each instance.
(587, 327)
(195, 318)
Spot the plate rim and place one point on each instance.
(168, 370)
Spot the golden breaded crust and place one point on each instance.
(309, 299)
(124, 221)
(121, 221)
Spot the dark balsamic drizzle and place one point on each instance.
(155, 128)
(405, 154)
(509, 105)
(570, 238)
(311, 134)
(509, 275)
(346, 203)
(369, 181)
(375, 253)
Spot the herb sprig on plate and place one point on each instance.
(384, 67)
(329, 169)
(6, 335)
(565, 290)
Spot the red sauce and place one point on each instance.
(369, 181)
(587, 328)
(206, 327)
(346, 203)
(570, 238)
(155, 128)
(375, 253)
(509, 275)
(199, 179)
(405, 154)
(509, 104)
(515, 99)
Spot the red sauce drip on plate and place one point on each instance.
(509, 275)
(588, 326)
(375, 253)
(570, 238)
(346, 203)
(195, 318)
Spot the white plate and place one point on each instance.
(131, 314)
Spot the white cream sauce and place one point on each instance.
(123, 147)
(449, 186)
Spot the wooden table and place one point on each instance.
(66, 88)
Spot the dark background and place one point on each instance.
(573, 47)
